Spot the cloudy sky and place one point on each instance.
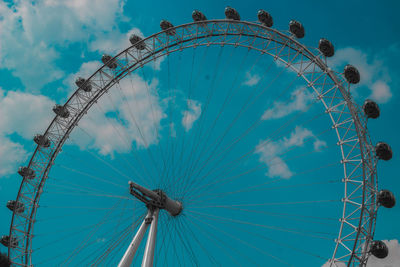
(164, 120)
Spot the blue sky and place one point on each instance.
(45, 45)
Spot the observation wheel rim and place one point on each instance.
(315, 59)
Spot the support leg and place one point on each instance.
(127, 259)
(148, 256)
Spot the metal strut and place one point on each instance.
(127, 259)
(148, 256)
(154, 201)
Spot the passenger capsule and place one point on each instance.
(351, 74)
(15, 206)
(137, 41)
(41, 140)
(4, 261)
(231, 13)
(383, 151)
(6, 241)
(326, 47)
(167, 27)
(61, 111)
(296, 28)
(83, 84)
(379, 249)
(109, 61)
(265, 18)
(371, 109)
(386, 199)
(26, 172)
(198, 16)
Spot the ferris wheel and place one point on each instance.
(277, 170)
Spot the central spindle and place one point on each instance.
(155, 199)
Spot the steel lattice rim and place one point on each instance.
(200, 34)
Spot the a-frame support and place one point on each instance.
(151, 220)
(154, 201)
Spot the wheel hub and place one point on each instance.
(155, 199)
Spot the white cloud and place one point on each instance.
(318, 144)
(101, 240)
(172, 129)
(373, 73)
(104, 134)
(300, 99)
(191, 114)
(24, 114)
(11, 154)
(144, 104)
(123, 117)
(30, 32)
(381, 92)
(113, 42)
(85, 71)
(251, 79)
(271, 151)
(67, 20)
(156, 64)
(392, 260)
(277, 167)
(297, 137)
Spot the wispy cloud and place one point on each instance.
(299, 100)
(101, 240)
(373, 72)
(172, 130)
(191, 114)
(380, 92)
(270, 151)
(251, 79)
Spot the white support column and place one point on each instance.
(127, 259)
(148, 256)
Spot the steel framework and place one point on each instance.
(358, 157)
